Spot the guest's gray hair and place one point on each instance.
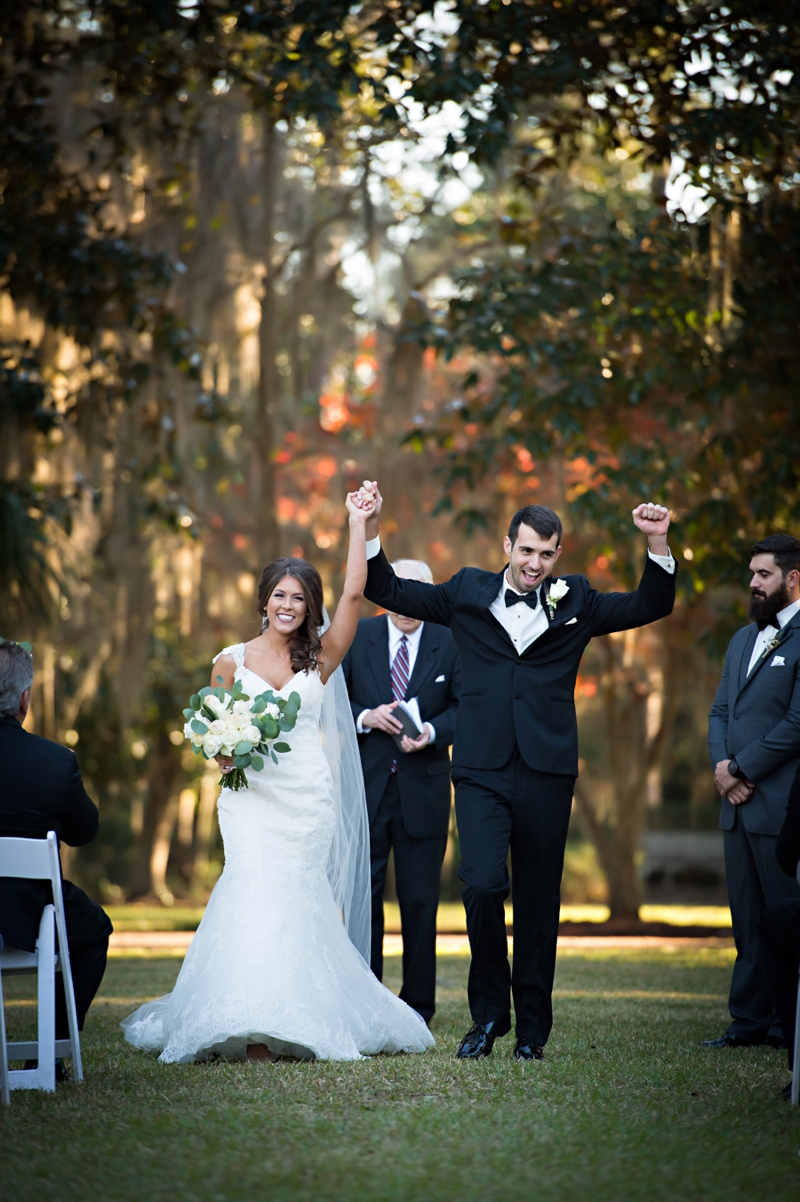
(413, 569)
(16, 677)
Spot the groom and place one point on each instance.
(521, 634)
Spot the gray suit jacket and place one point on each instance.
(756, 718)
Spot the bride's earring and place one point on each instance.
(264, 621)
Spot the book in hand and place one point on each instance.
(407, 713)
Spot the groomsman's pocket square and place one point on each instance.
(438, 679)
(778, 662)
(571, 622)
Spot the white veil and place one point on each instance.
(348, 865)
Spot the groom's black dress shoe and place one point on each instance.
(736, 1041)
(525, 1050)
(479, 1040)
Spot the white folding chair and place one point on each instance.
(37, 860)
(795, 1063)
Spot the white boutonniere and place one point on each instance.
(558, 589)
(771, 644)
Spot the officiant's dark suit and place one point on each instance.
(42, 791)
(408, 794)
(515, 759)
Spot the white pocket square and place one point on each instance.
(571, 622)
(778, 662)
(438, 679)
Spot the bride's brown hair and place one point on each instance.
(305, 646)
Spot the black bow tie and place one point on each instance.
(530, 599)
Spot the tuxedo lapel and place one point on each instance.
(487, 595)
(378, 657)
(425, 661)
(740, 669)
(786, 633)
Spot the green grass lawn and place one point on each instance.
(626, 1106)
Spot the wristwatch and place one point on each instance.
(734, 769)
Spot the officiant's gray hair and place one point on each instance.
(413, 569)
(16, 677)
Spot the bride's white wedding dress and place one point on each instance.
(271, 961)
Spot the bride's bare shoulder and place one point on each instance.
(224, 666)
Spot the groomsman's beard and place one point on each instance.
(764, 607)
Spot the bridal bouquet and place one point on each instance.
(219, 722)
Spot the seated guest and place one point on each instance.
(42, 791)
(779, 930)
(393, 659)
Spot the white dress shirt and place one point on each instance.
(395, 637)
(523, 624)
(762, 638)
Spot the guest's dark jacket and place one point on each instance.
(509, 699)
(756, 718)
(788, 846)
(423, 777)
(40, 790)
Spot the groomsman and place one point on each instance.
(520, 634)
(754, 743)
(394, 659)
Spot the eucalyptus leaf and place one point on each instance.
(243, 748)
(281, 747)
(242, 761)
(199, 727)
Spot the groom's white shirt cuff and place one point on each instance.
(373, 546)
(664, 561)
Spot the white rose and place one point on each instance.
(252, 734)
(241, 707)
(218, 728)
(273, 711)
(558, 589)
(215, 705)
(211, 747)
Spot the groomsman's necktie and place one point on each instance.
(400, 672)
(400, 675)
(530, 599)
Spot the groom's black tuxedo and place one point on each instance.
(515, 757)
(409, 809)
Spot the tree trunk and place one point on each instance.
(638, 716)
(160, 813)
(268, 388)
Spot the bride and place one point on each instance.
(278, 965)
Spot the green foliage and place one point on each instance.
(599, 349)
(716, 83)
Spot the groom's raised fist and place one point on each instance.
(651, 519)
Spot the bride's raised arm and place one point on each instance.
(337, 638)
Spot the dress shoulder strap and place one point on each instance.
(236, 652)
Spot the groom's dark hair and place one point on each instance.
(544, 521)
(783, 548)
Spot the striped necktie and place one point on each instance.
(400, 671)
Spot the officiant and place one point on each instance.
(404, 680)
